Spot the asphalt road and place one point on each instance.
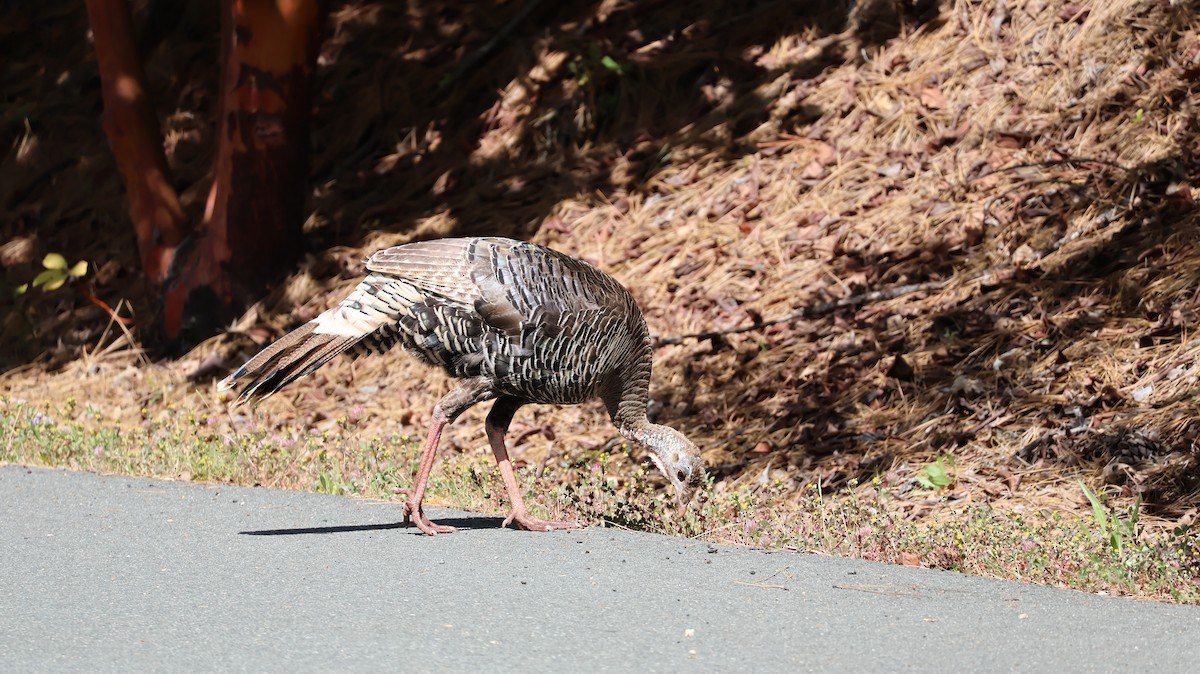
(119, 574)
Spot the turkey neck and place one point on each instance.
(626, 397)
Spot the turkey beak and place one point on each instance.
(683, 496)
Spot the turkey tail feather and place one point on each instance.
(295, 355)
(313, 344)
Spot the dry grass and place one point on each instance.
(1036, 156)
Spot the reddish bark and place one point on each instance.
(265, 134)
(133, 132)
(252, 223)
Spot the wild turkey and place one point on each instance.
(517, 322)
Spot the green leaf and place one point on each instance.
(46, 277)
(55, 284)
(611, 63)
(79, 270)
(21, 289)
(54, 261)
(935, 476)
(1098, 510)
(327, 485)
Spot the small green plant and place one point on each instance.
(1118, 531)
(584, 66)
(934, 476)
(328, 483)
(611, 64)
(600, 87)
(55, 274)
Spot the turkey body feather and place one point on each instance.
(515, 321)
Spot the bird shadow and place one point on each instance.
(456, 522)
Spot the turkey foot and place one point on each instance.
(529, 523)
(496, 426)
(423, 523)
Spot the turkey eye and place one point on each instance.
(681, 475)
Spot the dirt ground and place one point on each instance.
(1030, 162)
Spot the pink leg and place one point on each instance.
(428, 453)
(519, 514)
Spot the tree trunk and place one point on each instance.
(251, 231)
(136, 140)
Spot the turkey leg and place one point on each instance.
(428, 453)
(497, 426)
(448, 408)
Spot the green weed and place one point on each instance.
(1117, 530)
(934, 476)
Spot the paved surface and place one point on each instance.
(119, 574)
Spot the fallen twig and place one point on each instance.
(876, 589)
(766, 585)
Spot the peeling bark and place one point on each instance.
(262, 153)
(253, 220)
